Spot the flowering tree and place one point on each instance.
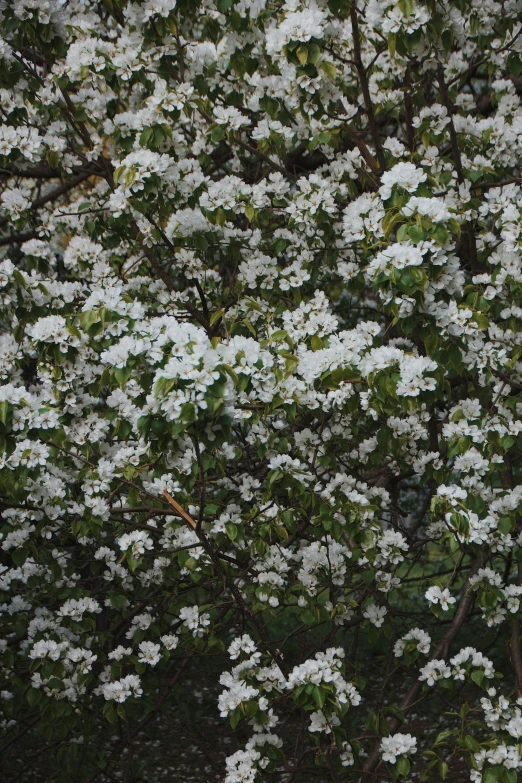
(261, 402)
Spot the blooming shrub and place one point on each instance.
(261, 390)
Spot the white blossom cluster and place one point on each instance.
(260, 389)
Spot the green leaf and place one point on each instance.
(217, 133)
(319, 696)
(251, 707)
(491, 775)
(122, 374)
(188, 413)
(384, 726)
(201, 242)
(478, 676)
(302, 54)
(314, 53)
(329, 70)
(19, 278)
(402, 232)
(118, 174)
(216, 316)
(481, 320)
(19, 556)
(441, 736)
(33, 696)
(471, 743)
(505, 525)
(390, 220)
(157, 141)
(308, 617)
(280, 334)
(431, 343)
(118, 601)
(146, 136)
(88, 318)
(514, 63)
(447, 39)
(441, 235)
(417, 234)
(232, 530)
(229, 371)
(109, 713)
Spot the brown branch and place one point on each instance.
(77, 124)
(261, 155)
(241, 602)
(516, 655)
(146, 720)
(408, 110)
(457, 160)
(24, 236)
(488, 185)
(186, 516)
(468, 235)
(361, 72)
(253, 151)
(506, 479)
(162, 274)
(59, 191)
(441, 650)
(36, 172)
(367, 156)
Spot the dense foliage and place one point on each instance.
(261, 401)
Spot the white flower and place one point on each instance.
(319, 722)
(398, 745)
(416, 638)
(121, 690)
(137, 541)
(194, 621)
(241, 644)
(149, 653)
(347, 757)
(75, 608)
(397, 256)
(375, 614)
(435, 595)
(170, 641)
(119, 653)
(404, 175)
(230, 116)
(296, 26)
(431, 207)
(434, 670)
